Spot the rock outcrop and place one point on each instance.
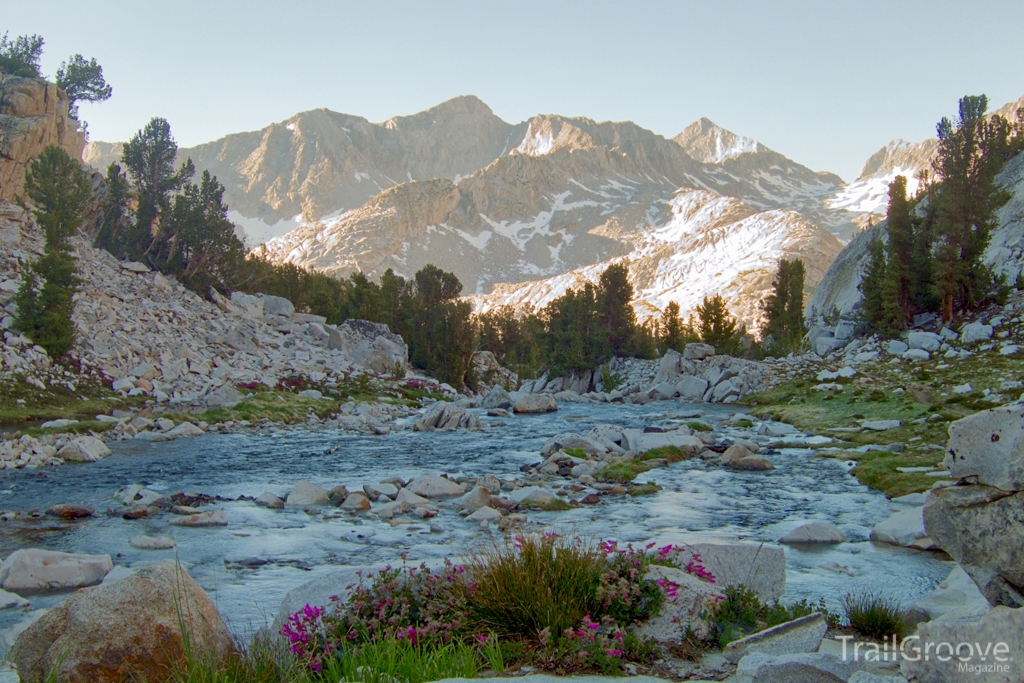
(979, 520)
(33, 116)
(129, 628)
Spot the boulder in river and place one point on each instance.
(201, 519)
(131, 628)
(535, 403)
(497, 397)
(905, 528)
(84, 449)
(33, 570)
(815, 532)
(306, 493)
(434, 486)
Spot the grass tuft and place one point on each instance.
(670, 453)
(621, 472)
(874, 615)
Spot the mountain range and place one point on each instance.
(519, 212)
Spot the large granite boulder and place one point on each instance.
(990, 446)
(84, 449)
(686, 609)
(982, 528)
(760, 567)
(989, 649)
(434, 486)
(33, 570)
(444, 415)
(371, 346)
(497, 397)
(128, 629)
(535, 403)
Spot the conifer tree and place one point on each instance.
(615, 308)
(60, 190)
(670, 328)
(971, 151)
(717, 326)
(784, 307)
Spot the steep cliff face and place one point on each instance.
(33, 115)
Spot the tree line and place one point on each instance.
(933, 259)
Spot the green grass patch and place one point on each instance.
(670, 453)
(275, 405)
(887, 392)
(621, 472)
(576, 453)
(80, 427)
(743, 423)
(700, 426)
(550, 505)
(22, 403)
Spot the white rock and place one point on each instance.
(903, 528)
(990, 446)
(201, 519)
(84, 449)
(306, 493)
(33, 570)
(972, 333)
(815, 532)
(152, 542)
(434, 486)
(483, 514)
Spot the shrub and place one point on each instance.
(874, 615)
(742, 612)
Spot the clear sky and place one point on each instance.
(826, 83)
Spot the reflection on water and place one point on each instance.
(249, 565)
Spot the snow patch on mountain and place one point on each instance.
(871, 194)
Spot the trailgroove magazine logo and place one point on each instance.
(969, 657)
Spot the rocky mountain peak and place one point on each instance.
(899, 155)
(708, 142)
(456, 111)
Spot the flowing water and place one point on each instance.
(249, 565)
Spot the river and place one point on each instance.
(248, 566)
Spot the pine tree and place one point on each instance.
(83, 81)
(615, 295)
(784, 307)
(900, 251)
(872, 283)
(149, 159)
(670, 328)
(61, 192)
(717, 326)
(971, 151)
